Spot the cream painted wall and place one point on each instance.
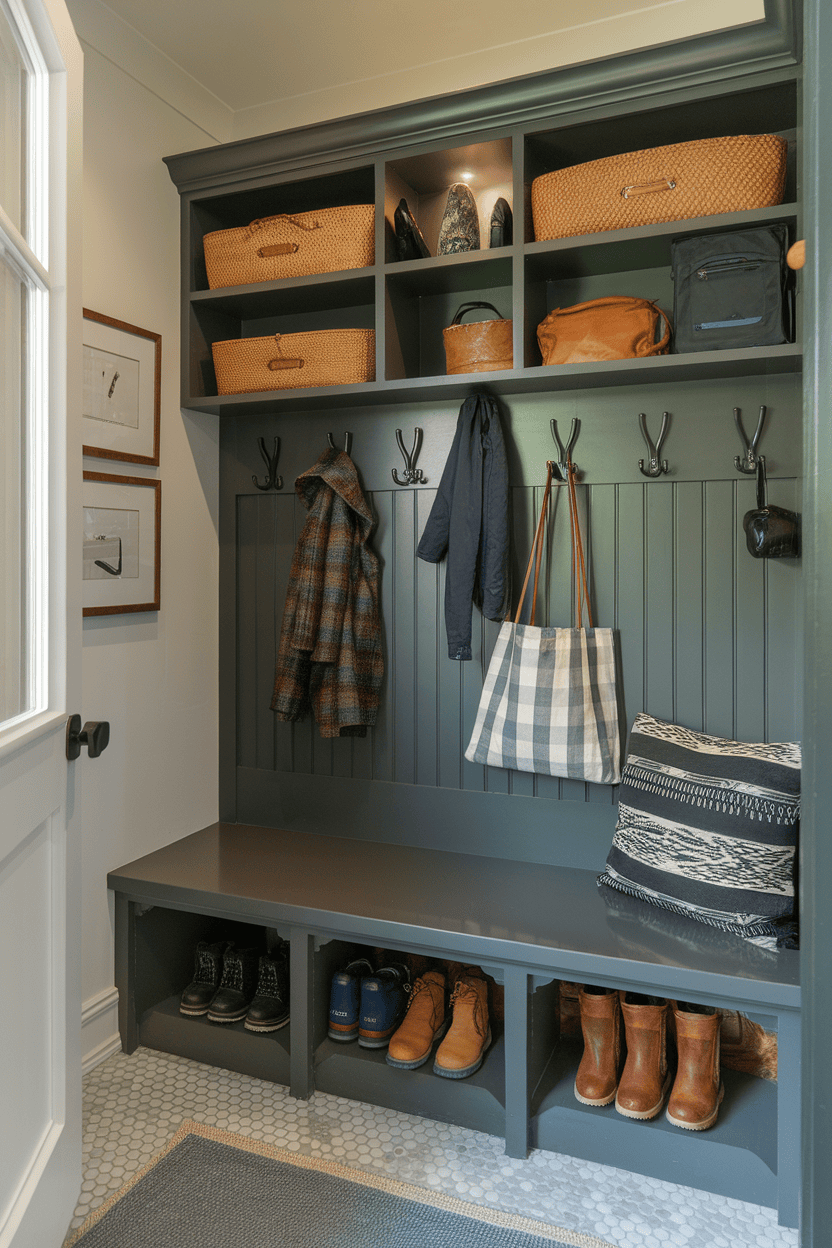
(153, 676)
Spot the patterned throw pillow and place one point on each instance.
(708, 827)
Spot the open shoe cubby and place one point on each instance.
(408, 303)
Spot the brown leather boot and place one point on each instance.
(596, 1082)
(697, 1091)
(461, 1052)
(645, 1081)
(423, 1024)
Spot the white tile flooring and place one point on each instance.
(133, 1105)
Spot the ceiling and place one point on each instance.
(261, 51)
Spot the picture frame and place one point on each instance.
(122, 543)
(122, 390)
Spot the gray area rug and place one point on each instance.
(212, 1189)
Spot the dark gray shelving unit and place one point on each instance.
(396, 840)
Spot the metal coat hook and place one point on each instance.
(347, 442)
(655, 466)
(748, 462)
(412, 474)
(565, 454)
(273, 481)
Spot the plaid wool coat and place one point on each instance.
(330, 659)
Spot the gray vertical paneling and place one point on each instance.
(689, 603)
(403, 639)
(429, 632)
(450, 702)
(246, 631)
(750, 626)
(707, 633)
(720, 548)
(383, 544)
(265, 650)
(783, 627)
(658, 549)
(630, 577)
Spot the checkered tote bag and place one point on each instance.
(549, 700)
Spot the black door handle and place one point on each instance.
(94, 735)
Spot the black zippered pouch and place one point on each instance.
(731, 290)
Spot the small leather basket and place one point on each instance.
(616, 328)
(480, 347)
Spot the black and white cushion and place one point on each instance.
(707, 827)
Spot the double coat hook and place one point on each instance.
(655, 465)
(412, 474)
(273, 481)
(748, 462)
(562, 464)
(347, 442)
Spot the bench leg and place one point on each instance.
(125, 972)
(517, 1061)
(300, 986)
(788, 1119)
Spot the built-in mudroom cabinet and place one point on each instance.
(395, 840)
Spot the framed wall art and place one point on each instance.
(122, 390)
(122, 544)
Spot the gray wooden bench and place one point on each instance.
(528, 925)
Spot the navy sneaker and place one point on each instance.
(345, 1000)
(383, 1001)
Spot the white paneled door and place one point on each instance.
(40, 620)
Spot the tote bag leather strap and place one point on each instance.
(578, 561)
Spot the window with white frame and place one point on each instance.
(24, 310)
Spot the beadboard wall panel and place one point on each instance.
(706, 635)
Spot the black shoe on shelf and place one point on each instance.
(410, 245)
(501, 224)
(197, 997)
(269, 1011)
(237, 986)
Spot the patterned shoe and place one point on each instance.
(197, 996)
(345, 1000)
(269, 1011)
(383, 998)
(460, 229)
(237, 987)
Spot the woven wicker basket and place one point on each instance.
(672, 183)
(292, 246)
(322, 357)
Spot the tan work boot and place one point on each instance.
(596, 1082)
(697, 1090)
(461, 1052)
(645, 1081)
(424, 1023)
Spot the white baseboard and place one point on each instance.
(99, 1033)
(100, 1053)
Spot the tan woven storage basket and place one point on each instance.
(672, 183)
(321, 357)
(292, 246)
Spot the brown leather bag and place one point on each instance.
(615, 328)
(482, 346)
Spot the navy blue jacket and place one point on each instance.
(470, 520)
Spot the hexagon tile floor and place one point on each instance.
(133, 1105)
